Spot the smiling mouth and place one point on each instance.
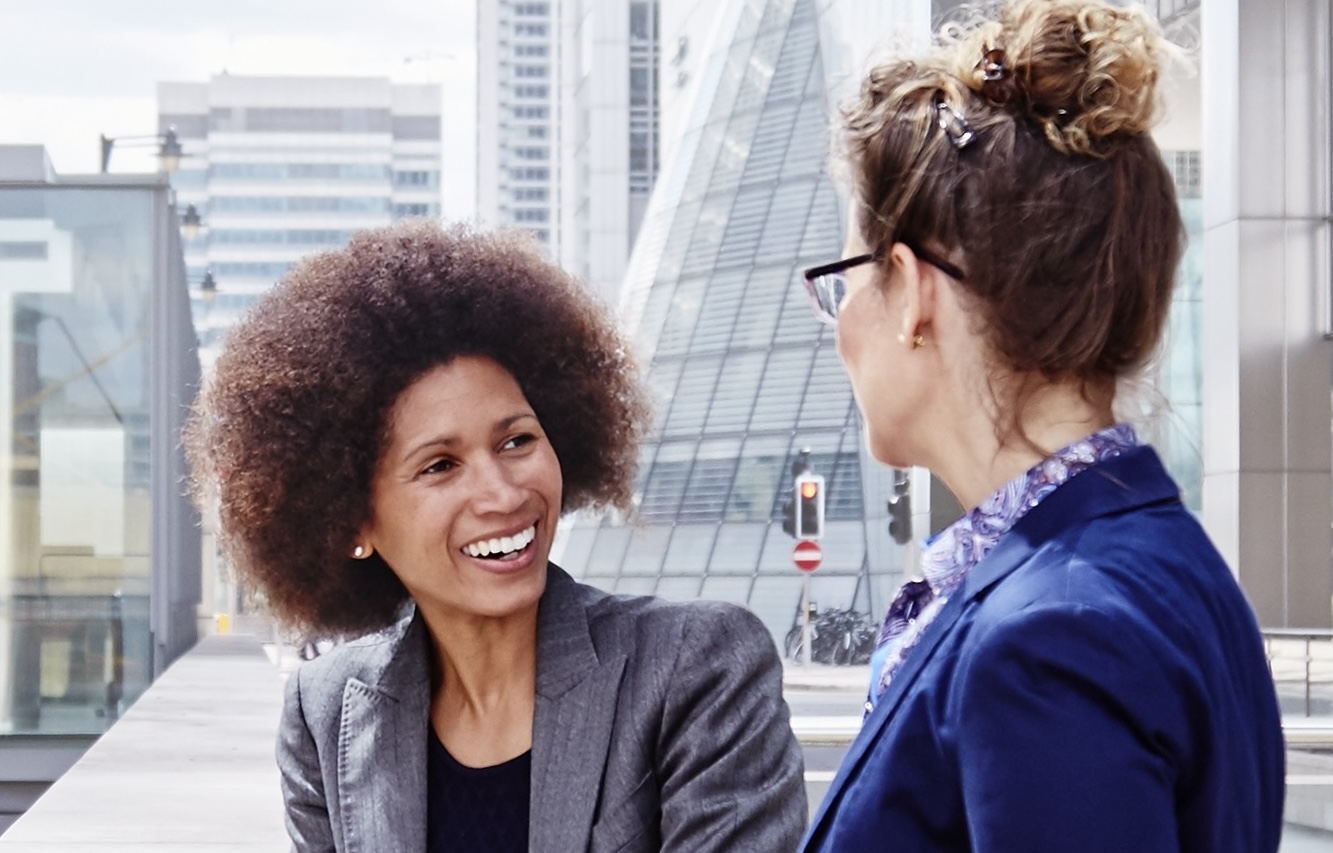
(501, 547)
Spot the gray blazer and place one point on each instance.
(658, 726)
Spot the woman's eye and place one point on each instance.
(439, 466)
(518, 441)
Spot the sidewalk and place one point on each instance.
(189, 768)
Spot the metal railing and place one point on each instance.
(1301, 661)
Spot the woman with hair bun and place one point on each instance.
(1075, 668)
(393, 432)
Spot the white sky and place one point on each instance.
(71, 70)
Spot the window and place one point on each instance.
(530, 29)
(530, 71)
(416, 179)
(531, 153)
(539, 113)
(530, 194)
(531, 91)
(530, 50)
(530, 174)
(416, 209)
(532, 215)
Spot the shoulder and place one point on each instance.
(648, 621)
(320, 683)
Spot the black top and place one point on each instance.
(476, 808)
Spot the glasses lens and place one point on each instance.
(826, 292)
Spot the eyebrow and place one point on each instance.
(449, 441)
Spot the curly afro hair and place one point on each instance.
(292, 424)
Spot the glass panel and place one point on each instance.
(737, 548)
(844, 547)
(744, 226)
(761, 473)
(735, 393)
(646, 546)
(682, 318)
(690, 406)
(828, 396)
(710, 481)
(786, 223)
(575, 550)
(723, 588)
(777, 602)
(759, 313)
(783, 387)
(666, 482)
(636, 585)
(608, 551)
(770, 143)
(691, 545)
(74, 511)
(721, 305)
(679, 588)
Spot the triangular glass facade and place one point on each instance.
(743, 376)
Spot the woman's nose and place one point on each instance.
(495, 487)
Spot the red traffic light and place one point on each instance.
(809, 489)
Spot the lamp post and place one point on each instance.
(191, 222)
(169, 149)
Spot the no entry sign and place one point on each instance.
(807, 555)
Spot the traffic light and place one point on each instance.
(900, 509)
(809, 506)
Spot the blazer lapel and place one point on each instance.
(382, 752)
(884, 707)
(572, 723)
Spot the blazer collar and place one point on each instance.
(382, 744)
(1131, 480)
(573, 718)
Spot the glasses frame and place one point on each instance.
(825, 305)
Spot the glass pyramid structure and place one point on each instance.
(744, 377)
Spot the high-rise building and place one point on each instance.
(567, 127)
(282, 166)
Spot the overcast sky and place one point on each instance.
(71, 70)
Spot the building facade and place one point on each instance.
(279, 167)
(99, 546)
(567, 127)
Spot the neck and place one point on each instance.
(484, 689)
(974, 459)
(482, 663)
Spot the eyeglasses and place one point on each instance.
(827, 285)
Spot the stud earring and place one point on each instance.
(918, 341)
(358, 552)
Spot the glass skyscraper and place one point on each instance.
(744, 377)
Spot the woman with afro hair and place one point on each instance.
(393, 433)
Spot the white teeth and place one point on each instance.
(501, 545)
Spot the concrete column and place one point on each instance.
(1268, 365)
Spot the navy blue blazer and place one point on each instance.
(1097, 684)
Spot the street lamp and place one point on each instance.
(208, 287)
(191, 222)
(169, 149)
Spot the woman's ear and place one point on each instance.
(918, 294)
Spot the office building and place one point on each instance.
(99, 547)
(279, 167)
(567, 127)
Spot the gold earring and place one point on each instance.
(918, 341)
(358, 552)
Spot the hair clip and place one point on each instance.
(953, 124)
(992, 65)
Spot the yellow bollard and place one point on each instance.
(224, 623)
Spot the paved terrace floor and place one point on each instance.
(189, 768)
